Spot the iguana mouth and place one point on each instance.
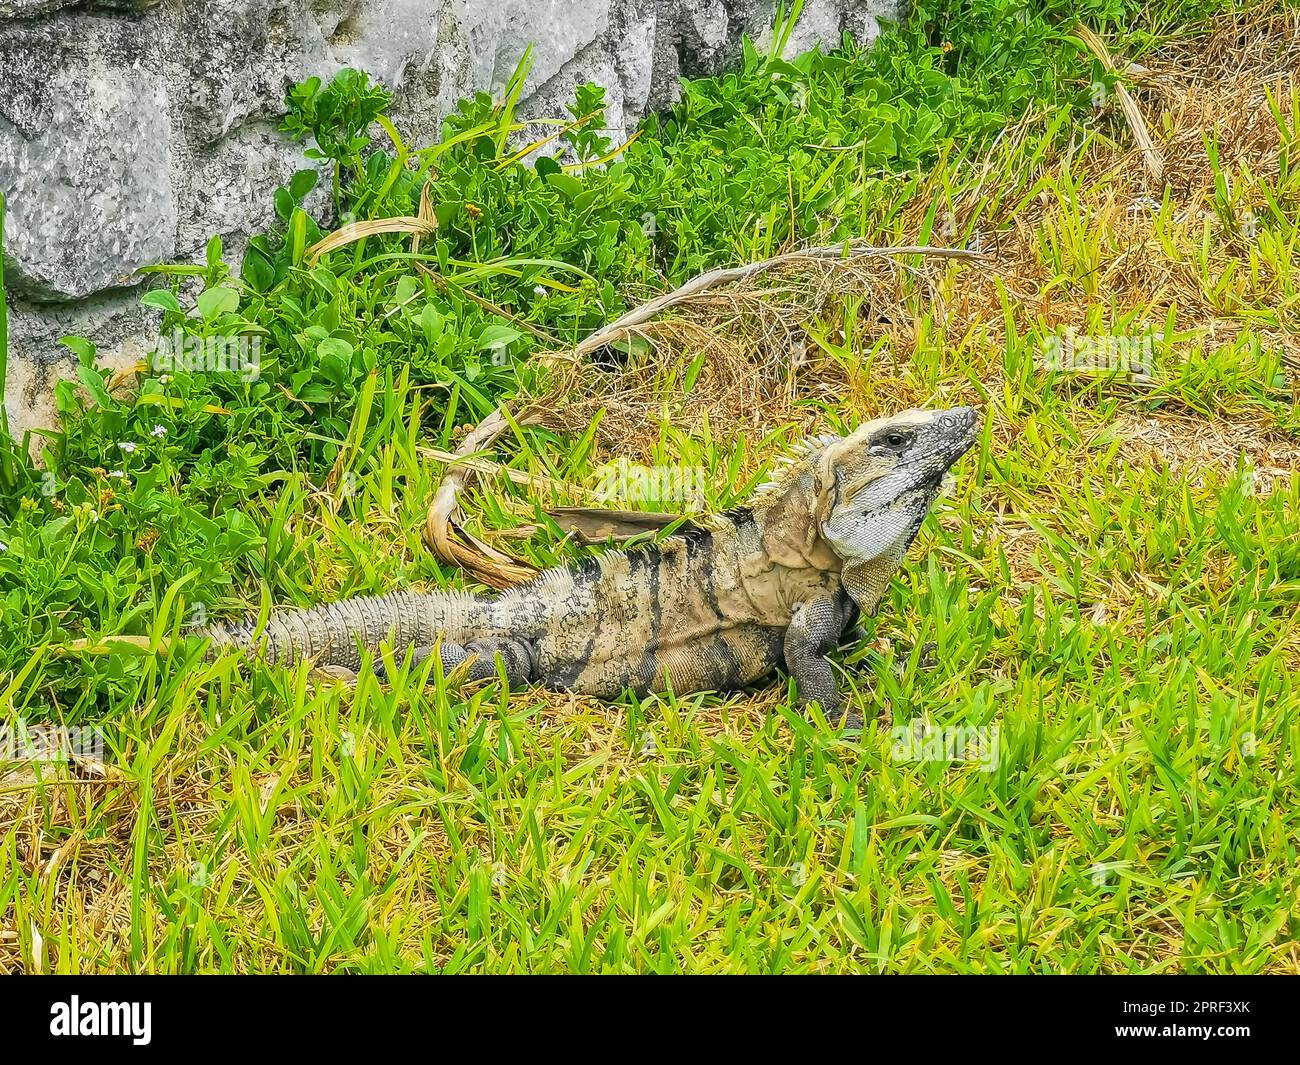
(939, 445)
(962, 424)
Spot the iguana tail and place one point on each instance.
(334, 634)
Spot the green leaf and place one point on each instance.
(881, 146)
(334, 347)
(214, 302)
(566, 185)
(446, 212)
(94, 384)
(257, 270)
(162, 298)
(431, 323)
(407, 286)
(283, 203)
(81, 347)
(302, 183)
(497, 336)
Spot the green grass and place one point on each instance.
(1114, 586)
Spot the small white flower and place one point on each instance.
(539, 290)
(128, 446)
(158, 430)
(3, 546)
(116, 473)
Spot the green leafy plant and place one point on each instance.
(336, 115)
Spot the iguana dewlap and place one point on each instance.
(777, 583)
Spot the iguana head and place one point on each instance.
(855, 502)
(879, 482)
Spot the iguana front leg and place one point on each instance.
(814, 631)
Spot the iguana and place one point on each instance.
(717, 606)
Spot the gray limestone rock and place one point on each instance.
(131, 131)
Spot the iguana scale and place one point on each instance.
(778, 582)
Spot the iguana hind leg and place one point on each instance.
(814, 631)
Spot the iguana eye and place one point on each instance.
(894, 440)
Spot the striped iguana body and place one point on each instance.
(776, 583)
